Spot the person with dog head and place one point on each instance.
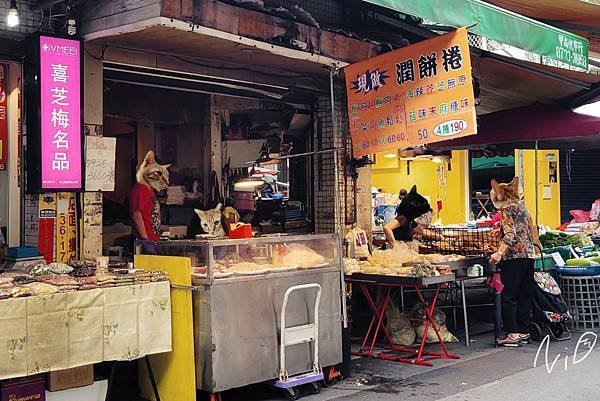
(413, 214)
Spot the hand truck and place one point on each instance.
(302, 334)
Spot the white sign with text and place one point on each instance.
(100, 155)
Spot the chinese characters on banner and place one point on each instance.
(66, 230)
(46, 226)
(60, 113)
(3, 117)
(419, 94)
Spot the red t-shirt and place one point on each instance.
(143, 199)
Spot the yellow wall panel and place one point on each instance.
(174, 371)
(451, 186)
(548, 193)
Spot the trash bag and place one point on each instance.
(439, 317)
(399, 326)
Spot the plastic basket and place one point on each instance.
(579, 271)
(22, 252)
(583, 251)
(544, 263)
(582, 295)
(566, 252)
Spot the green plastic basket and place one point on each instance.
(584, 250)
(566, 252)
(544, 263)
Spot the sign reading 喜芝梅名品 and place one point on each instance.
(415, 95)
(60, 113)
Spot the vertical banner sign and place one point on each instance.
(3, 117)
(19, 143)
(46, 223)
(66, 230)
(412, 96)
(60, 113)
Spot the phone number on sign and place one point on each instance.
(382, 140)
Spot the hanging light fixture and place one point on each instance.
(12, 18)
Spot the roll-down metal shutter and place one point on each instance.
(579, 180)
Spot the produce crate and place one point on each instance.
(566, 252)
(544, 263)
(584, 250)
(22, 252)
(582, 295)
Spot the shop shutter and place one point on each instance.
(582, 187)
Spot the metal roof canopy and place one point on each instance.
(519, 128)
(507, 83)
(502, 25)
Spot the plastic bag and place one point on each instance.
(439, 319)
(595, 212)
(399, 326)
(580, 216)
(358, 245)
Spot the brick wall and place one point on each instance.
(29, 21)
(325, 168)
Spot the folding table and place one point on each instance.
(383, 285)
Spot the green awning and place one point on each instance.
(496, 23)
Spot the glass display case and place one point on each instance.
(219, 259)
(238, 291)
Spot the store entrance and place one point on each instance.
(220, 148)
(485, 166)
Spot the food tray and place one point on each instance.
(464, 263)
(283, 269)
(251, 272)
(401, 280)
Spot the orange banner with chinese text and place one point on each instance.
(412, 96)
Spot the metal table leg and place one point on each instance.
(402, 298)
(464, 305)
(152, 378)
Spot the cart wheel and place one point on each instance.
(315, 387)
(292, 393)
(536, 331)
(331, 376)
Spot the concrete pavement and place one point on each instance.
(482, 373)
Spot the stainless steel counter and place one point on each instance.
(236, 325)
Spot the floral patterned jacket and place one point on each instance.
(516, 231)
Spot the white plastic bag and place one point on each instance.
(358, 244)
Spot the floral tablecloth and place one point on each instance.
(64, 330)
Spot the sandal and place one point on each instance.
(525, 339)
(508, 342)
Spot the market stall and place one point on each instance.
(60, 316)
(238, 286)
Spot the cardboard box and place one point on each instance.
(28, 388)
(70, 378)
(95, 392)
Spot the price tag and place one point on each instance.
(560, 262)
